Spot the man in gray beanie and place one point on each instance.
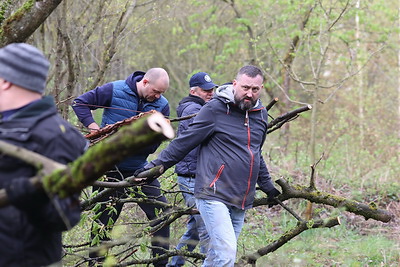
(31, 226)
(24, 65)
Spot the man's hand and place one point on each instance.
(272, 194)
(93, 127)
(150, 172)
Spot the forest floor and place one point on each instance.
(391, 229)
(356, 242)
(318, 247)
(370, 227)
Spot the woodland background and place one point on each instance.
(341, 57)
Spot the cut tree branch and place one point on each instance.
(97, 136)
(101, 134)
(102, 157)
(277, 123)
(272, 103)
(370, 211)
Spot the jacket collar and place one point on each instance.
(193, 98)
(132, 79)
(225, 93)
(29, 115)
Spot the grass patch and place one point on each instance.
(338, 246)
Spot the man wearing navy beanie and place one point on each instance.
(31, 226)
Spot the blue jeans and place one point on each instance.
(223, 224)
(195, 228)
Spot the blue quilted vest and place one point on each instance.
(126, 103)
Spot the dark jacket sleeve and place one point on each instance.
(188, 164)
(202, 127)
(56, 214)
(264, 178)
(60, 214)
(99, 97)
(166, 110)
(189, 110)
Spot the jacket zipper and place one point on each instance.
(251, 164)
(217, 177)
(246, 120)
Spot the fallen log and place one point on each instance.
(99, 135)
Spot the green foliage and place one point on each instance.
(110, 261)
(5, 5)
(359, 154)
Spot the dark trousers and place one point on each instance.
(160, 238)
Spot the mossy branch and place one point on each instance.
(102, 157)
(368, 211)
(85, 170)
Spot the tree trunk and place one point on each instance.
(398, 97)
(23, 23)
(360, 76)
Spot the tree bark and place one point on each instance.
(19, 26)
(108, 130)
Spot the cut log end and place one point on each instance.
(159, 124)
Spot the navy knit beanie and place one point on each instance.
(24, 65)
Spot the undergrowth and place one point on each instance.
(354, 243)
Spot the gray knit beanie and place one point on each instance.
(25, 66)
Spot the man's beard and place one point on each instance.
(245, 105)
(150, 99)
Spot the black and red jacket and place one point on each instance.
(229, 162)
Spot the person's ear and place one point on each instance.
(4, 85)
(145, 81)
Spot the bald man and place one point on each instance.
(122, 99)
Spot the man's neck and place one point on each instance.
(16, 100)
(139, 88)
